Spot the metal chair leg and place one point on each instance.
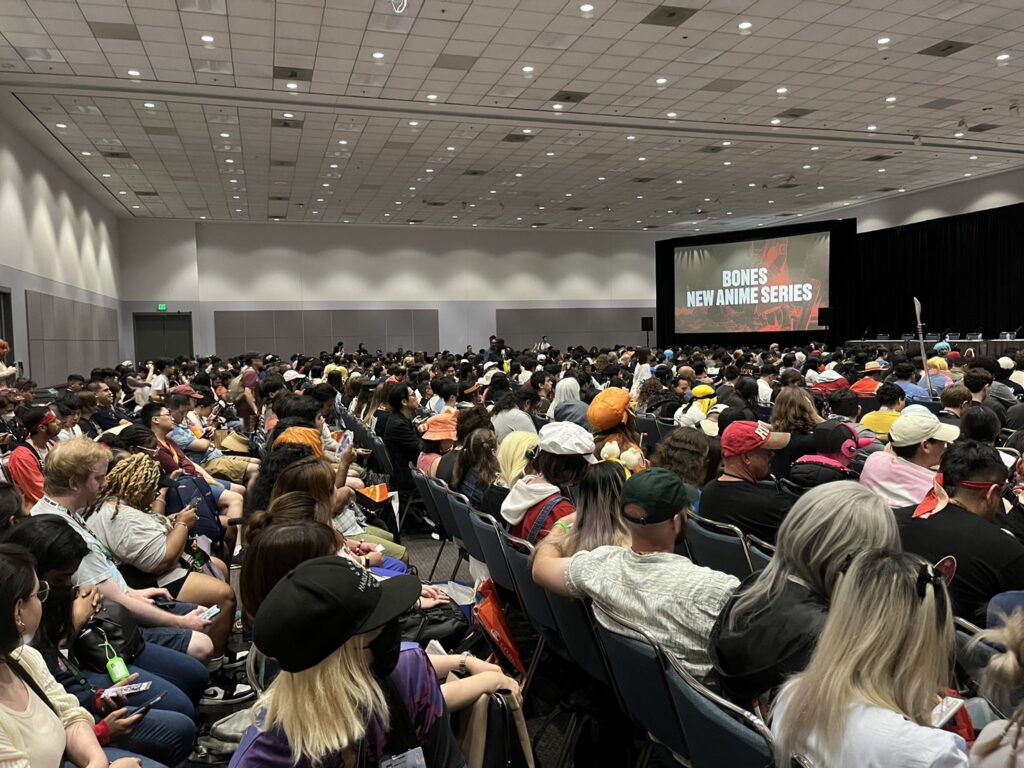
(645, 754)
(437, 559)
(458, 562)
(533, 665)
(568, 741)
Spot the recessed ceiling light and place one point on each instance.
(807, 167)
(431, 97)
(292, 86)
(122, 192)
(1003, 57)
(86, 154)
(519, 175)
(519, 218)
(287, 115)
(771, 202)
(319, 199)
(973, 157)
(745, 25)
(347, 221)
(727, 162)
(820, 186)
(343, 142)
(967, 174)
(726, 143)
(450, 149)
(238, 210)
(600, 178)
(642, 159)
(884, 41)
(149, 105)
(207, 38)
(728, 213)
(631, 138)
(62, 125)
(776, 121)
(550, 154)
(413, 123)
(492, 192)
(378, 55)
(586, 8)
(782, 90)
(225, 135)
(398, 202)
(881, 170)
(236, 197)
(135, 207)
(333, 165)
(325, 184)
(679, 181)
(316, 213)
(568, 194)
(527, 130)
(202, 217)
(958, 135)
(133, 73)
(902, 189)
(105, 175)
(670, 114)
(229, 161)
(639, 197)
(815, 148)
(557, 106)
(540, 207)
(751, 184)
(872, 127)
(661, 80)
(429, 170)
(890, 99)
(527, 69)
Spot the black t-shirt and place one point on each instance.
(995, 406)
(754, 508)
(800, 444)
(988, 559)
(446, 466)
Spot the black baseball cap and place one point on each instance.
(322, 603)
(655, 496)
(830, 436)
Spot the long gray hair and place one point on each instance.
(598, 521)
(826, 526)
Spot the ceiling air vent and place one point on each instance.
(668, 16)
(945, 48)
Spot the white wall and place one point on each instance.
(466, 275)
(54, 237)
(967, 196)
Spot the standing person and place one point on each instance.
(8, 373)
(334, 631)
(863, 700)
(642, 371)
(247, 389)
(26, 462)
(42, 725)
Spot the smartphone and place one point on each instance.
(210, 612)
(195, 502)
(945, 710)
(346, 441)
(144, 709)
(126, 690)
(163, 602)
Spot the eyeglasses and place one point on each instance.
(43, 592)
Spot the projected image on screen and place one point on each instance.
(756, 285)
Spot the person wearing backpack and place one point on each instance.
(244, 390)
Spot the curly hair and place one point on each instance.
(794, 412)
(132, 481)
(685, 452)
(648, 389)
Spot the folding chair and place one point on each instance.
(420, 481)
(666, 427)
(972, 656)
(867, 404)
(760, 552)
(461, 512)
(260, 670)
(539, 421)
(485, 528)
(438, 492)
(717, 731)
(718, 545)
(639, 678)
(648, 427)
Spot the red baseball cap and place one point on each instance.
(742, 437)
(187, 391)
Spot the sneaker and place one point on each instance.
(223, 691)
(235, 660)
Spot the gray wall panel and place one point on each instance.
(573, 326)
(259, 324)
(316, 322)
(68, 336)
(230, 324)
(288, 323)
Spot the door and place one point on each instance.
(160, 335)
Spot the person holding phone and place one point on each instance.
(40, 723)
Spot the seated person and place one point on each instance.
(25, 466)
(863, 700)
(891, 400)
(845, 406)
(741, 496)
(44, 721)
(124, 521)
(905, 373)
(982, 425)
(439, 438)
(476, 466)
(835, 447)
(647, 584)
(541, 497)
(956, 401)
(770, 627)
(334, 631)
(961, 517)
(902, 474)
(196, 440)
(871, 378)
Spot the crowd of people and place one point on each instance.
(863, 471)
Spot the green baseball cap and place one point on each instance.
(655, 496)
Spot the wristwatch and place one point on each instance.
(463, 671)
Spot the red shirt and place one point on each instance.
(26, 473)
(172, 458)
(523, 528)
(866, 386)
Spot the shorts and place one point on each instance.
(230, 467)
(169, 637)
(175, 586)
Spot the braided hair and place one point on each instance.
(130, 481)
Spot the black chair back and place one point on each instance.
(718, 545)
(647, 425)
(532, 596)
(490, 545)
(576, 625)
(461, 513)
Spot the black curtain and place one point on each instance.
(967, 270)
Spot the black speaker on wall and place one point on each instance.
(646, 323)
(825, 316)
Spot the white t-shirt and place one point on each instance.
(764, 392)
(160, 384)
(880, 738)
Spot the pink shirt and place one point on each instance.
(898, 481)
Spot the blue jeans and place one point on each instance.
(161, 738)
(174, 699)
(1003, 603)
(187, 674)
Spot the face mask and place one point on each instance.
(386, 647)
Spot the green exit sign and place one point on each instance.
(161, 307)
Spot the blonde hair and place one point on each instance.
(938, 363)
(887, 643)
(131, 481)
(1002, 678)
(794, 411)
(512, 457)
(71, 461)
(342, 685)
